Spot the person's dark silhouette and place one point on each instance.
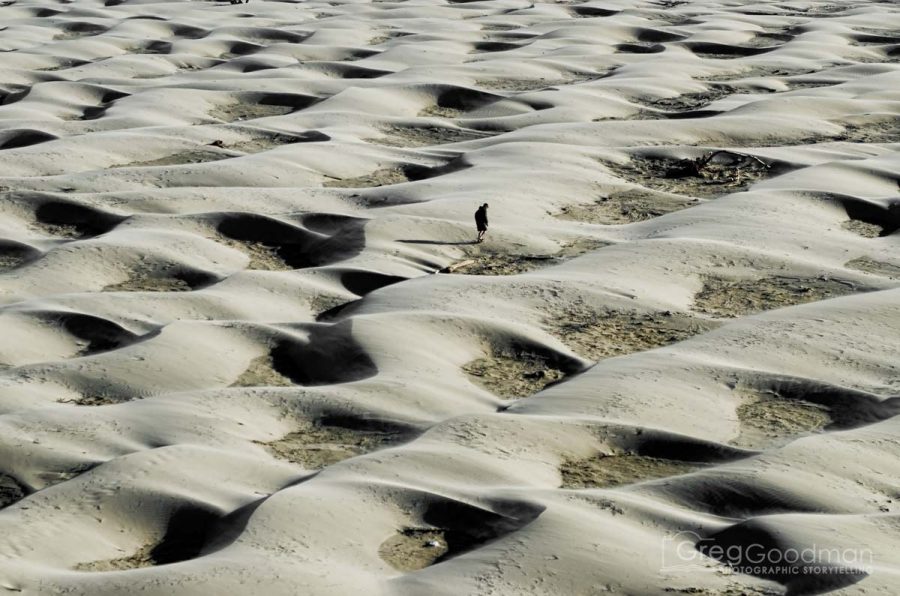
(481, 222)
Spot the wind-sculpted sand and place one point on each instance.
(250, 347)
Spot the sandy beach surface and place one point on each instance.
(248, 346)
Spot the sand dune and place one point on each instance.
(250, 347)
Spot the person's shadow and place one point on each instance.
(438, 242)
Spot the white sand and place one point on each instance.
(229, 366)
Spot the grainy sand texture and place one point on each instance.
(249, 347)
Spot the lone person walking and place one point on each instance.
(481, 222)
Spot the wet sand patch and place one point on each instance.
(142, 558)
(580, 246)
(757, 71)
(596, 335)
(163, 278)
(687, 102)
(499, 27)
(628, 206)
(441, 112)
(724, 173)
(262, 257)
(383, 177)
(862, 228)
(14, 254)
(724, 298)
(260, 143)
(412, 549)
(520, 85)
(320, 304)
(825, 10)
(501, 264)
(885, 130)
(875, 267)
(612, 470)
(261, 373)
(247, 111)
(767, 419)
(426, 136)
(11, 261)
(770, 39)
(150, 284)
(69, 232)
(797, 85)
(486, 261)
(513, 373)
(379, 39)
(316, 445)
(183, 158)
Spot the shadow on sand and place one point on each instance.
(438, 242)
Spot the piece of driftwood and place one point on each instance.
(687, 168)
